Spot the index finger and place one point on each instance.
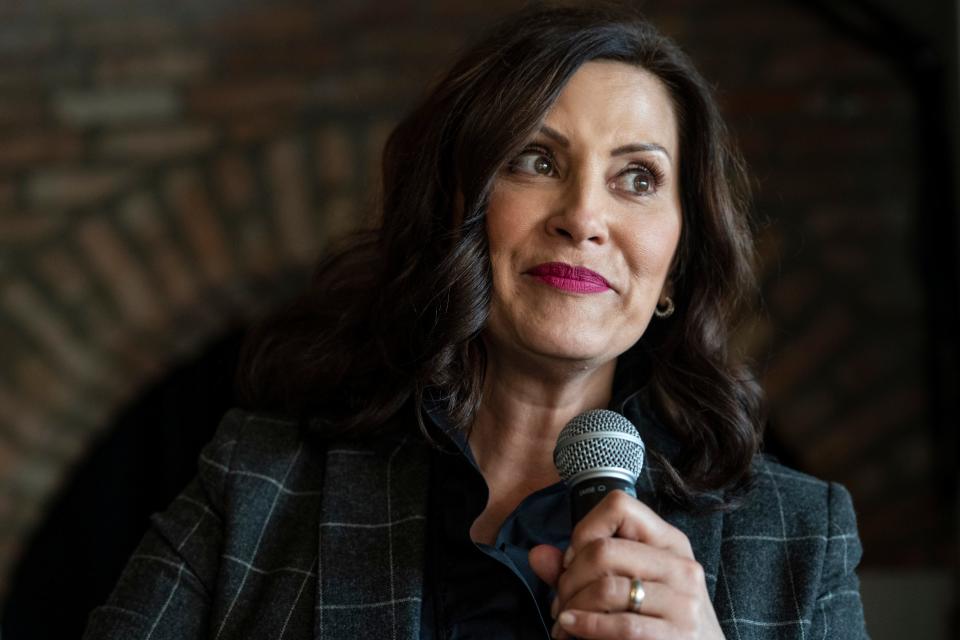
(621, 516)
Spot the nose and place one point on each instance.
(578, 214)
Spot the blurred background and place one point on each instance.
(170, 169)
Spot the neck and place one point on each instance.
(522, 413)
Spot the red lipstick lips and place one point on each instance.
(567, 277)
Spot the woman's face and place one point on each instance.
(584, 222)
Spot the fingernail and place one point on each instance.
(566, 618)
(568, 557)
(553, 608)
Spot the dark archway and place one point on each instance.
(144, 459)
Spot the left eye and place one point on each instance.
(534, 163)
(636, 180)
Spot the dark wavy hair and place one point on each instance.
(399, 310)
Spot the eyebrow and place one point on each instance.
(640, 146)
(564, 142)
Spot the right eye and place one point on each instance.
(534, 162)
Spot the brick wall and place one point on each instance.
(166, 166)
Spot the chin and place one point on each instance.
(544, 338)
(569, 349)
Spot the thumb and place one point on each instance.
(547, 562)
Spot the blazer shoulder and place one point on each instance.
(265, 445)
(279, 430)
(789, 555)
(787, 503)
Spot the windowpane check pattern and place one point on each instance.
(280, 538)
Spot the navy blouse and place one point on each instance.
(475, 590)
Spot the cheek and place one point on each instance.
(501, 245)
(510, 220)
(651, 251)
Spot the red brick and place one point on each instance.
(8, 196)
(294, 213)
(857, 182)
(292, 57)
(766, 101)
(865, 479)
(38, 73)
(10, 550)
(890, 101)
(116, 106)
(915, 454)
(376, 138)
(129, 30)
(20, 150)
(256, 127)
(335, 156)
(276, 22)
(869, 366)
(774, 25)
(23, 228)
(769, 246)
(899, 299)
(878, 419)
(386, 42)
(803, 356)
(69, 281)
(46, 383)
(846, 260)
(155, 144)
(21, 109)
(200, 224)
(229, 97)
(804, 413)
(235, 180)
(136, 362)
(487, 11)
(809, 64)
(120, 269)
(140, 214)
(339, 216)
(23, 37)
(73, 187)
(258, 246)
(164, 65)
(834, 140)
(752, 336)
(72, 284)
(27, 308)
(369, 88)
(898, 515)
(840, 222)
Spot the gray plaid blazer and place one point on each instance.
(279, 539)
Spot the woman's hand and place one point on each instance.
(619, 540)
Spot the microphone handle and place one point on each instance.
(586, 494)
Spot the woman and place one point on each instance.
(563, 229)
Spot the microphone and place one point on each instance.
(597, 452)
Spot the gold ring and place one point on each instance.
(637, 594)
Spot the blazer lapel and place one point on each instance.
(703, 529)
(704, 532)
(702, 526)
(371, 539)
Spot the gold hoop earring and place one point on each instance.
(666, 311)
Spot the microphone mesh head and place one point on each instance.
(598, 439)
